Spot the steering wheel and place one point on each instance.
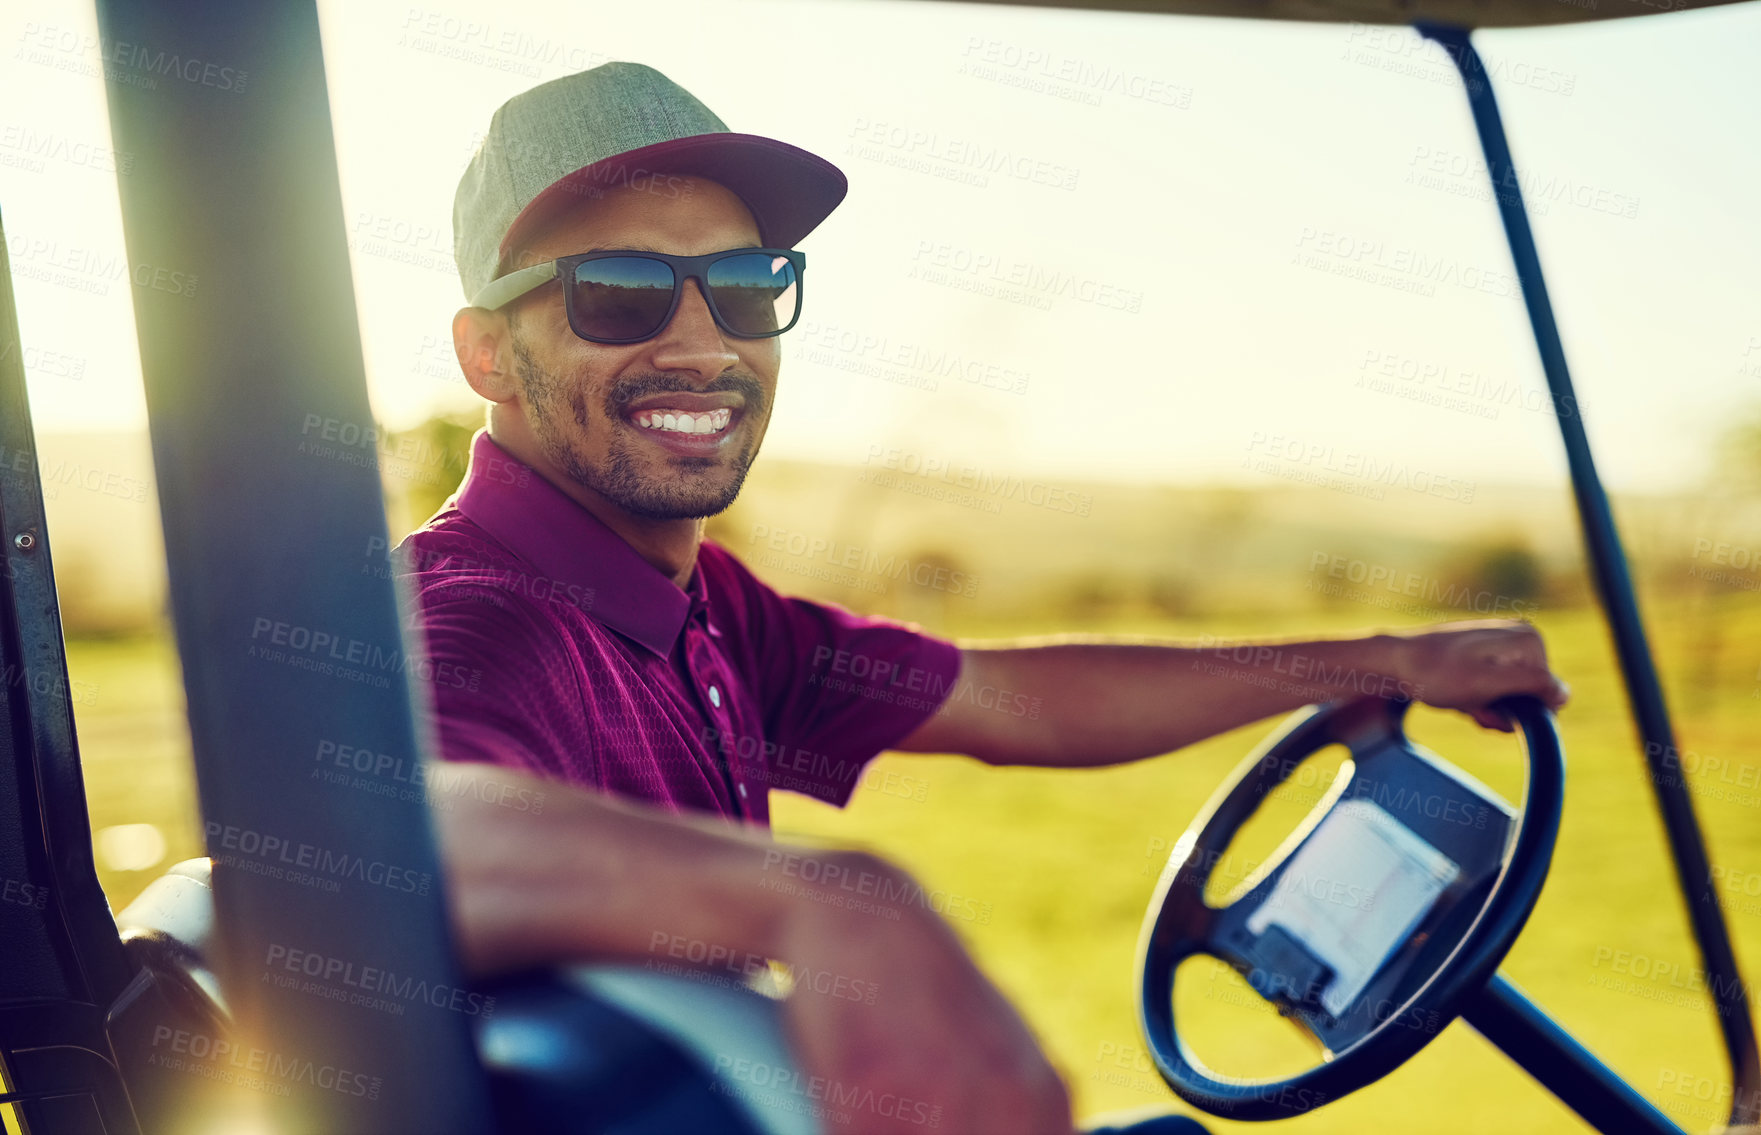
(1394, 900)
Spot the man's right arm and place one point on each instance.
(589, 878)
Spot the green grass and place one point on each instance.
(134, 741)
(1066, 861)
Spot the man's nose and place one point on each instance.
(691, 341)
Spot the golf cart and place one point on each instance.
(171, 1015)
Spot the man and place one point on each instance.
(630, 264)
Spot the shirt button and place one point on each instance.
(742, 791)
(715, 697)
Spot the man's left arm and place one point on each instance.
(1070, 702)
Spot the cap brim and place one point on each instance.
(789, 190)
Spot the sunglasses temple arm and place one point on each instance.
(514, 285)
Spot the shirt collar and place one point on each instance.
(545, 527)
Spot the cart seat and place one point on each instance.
(582, 1049)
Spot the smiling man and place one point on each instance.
(630, 265)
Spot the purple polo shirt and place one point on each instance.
(583, 662)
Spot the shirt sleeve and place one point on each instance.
(836, 688)
(498, 694)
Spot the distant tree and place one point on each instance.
(1499, 578)
(1727, 509)
(1171, 594)
(421, 466)
(1092, 594)
(1739, 454)
(1511, 570)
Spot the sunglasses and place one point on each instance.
(626, 297)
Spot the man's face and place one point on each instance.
(599, 413)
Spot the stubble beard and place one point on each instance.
(619, 478)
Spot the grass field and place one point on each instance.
(1063, 863)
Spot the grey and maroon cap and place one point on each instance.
(574, 138)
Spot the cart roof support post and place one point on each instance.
(1614, 586)
(335, 954)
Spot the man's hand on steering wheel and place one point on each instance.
(1467, 665)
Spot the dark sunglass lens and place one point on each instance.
(621, 297)
(757, 293)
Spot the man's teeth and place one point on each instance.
(678, 422)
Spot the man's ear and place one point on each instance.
(481, 339)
